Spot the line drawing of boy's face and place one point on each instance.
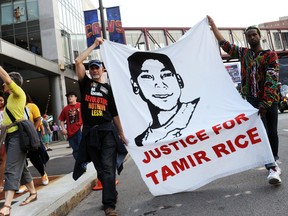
(158, 84)
(155, 80)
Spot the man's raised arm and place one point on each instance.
(80, 68)
(215, 30)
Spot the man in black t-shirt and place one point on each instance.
(100, 140)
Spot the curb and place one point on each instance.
(59, 197)
(66, 203)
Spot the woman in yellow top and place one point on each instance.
(16, 170)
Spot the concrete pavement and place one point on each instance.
(57, 198)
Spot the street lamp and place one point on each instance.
(103, 27)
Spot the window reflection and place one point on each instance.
(19, 11)
(32, 9)
(6, 14)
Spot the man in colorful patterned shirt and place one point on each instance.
(259, 78)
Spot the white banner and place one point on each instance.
(185, 122)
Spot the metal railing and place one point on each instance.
(154, 38)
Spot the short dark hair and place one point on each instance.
(137, 59)
(253, 27)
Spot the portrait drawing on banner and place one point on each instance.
(154, 78)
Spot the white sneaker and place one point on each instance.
(273, 177)
(22, 189)
(278, 169)
(45, 179)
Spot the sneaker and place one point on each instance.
(45, 180)
(111, 212)
(278, 169)
(22, 189)
(273, 177)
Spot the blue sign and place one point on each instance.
(115, 29)
(92, 26)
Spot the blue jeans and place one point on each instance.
(270, 121)
(104, 160)
(74, 142)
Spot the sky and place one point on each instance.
(186, 13)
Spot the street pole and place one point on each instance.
(103, 26)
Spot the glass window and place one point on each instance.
(239, 38)
(60, 12)
(174, 35)
(6, 14)
(35, 42)
(265, 42)
(64, 15)
(285, 38)
(82, 43)
(21, 41)
(135, 38)
(276, 40)
(8, 36)
(156, 39)
(32, 9)
(66, 46)
(33, 25)
(19, 11)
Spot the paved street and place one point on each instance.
(61, 160)
(244, 194)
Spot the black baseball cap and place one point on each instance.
(95, 63)
(71, 93)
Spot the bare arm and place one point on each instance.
(37, 122)
(64, 131)
(215, 30)
(42, 129)
(5, 76)
(80, 68)
(117, 122)
(48, 128)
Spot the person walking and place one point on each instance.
(259, 74)
(47, 133)
(37, 158)
(16, 170)
(99, 139)
(55, 129)
(71, 116)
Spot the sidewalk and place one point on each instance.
(58, 197)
